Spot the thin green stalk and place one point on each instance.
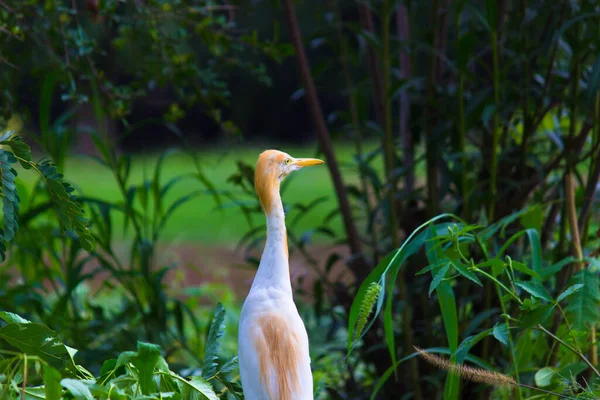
(595, 161)
(356, 134)
(462, 132)
(571, 348)
(495, 127)
(526, 116)
(498, 283)
(25, 368)
(511, 346)
(388, 146)
(430, 145)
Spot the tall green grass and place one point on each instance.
(203, 220)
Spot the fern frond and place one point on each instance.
(10, 200)
(70, 213)
(582, 306)
(211, 351)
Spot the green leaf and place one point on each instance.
(229, 365)
(535, 289)
(543, 378)
(533, 218)
(500, 332)
(572, 370)
(536, 250)
(13, 318)
(466, 345)
(196, 389)
(555, 268)
(38, 340)
(519, 266)
(583, 305)
(447, 304)
(466, 43)
(147, 356)
(593, 83)
(52, 384)
(491, 14)
(77, 388)
(464, 271)
(536, 316)
(69, 212)
(108, 368)
(438, 277)
(498, 266)
(211, 351)
(569, 291)
(10, 198)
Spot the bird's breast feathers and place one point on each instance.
(274, 359)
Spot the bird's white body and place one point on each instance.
(273, 345)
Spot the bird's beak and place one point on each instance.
(307, 162)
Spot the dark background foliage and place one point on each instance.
(462, 141)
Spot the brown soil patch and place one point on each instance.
(201, 264)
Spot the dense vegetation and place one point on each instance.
(465, 223)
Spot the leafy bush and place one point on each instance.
(41, 366)
(528, 293)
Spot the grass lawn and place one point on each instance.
(201, 219)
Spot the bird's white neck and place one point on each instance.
(273, 270)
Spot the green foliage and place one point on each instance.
(215, 331)
(43, 366)
(61, 254)
(527, 298)
(69, 212)
(366, 307)
(191, 47)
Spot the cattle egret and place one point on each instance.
(273, 344)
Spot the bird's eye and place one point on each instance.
(288, 161)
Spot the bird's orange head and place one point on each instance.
(271, 168)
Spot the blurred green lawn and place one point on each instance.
(201, 220)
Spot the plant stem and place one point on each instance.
(24, 377)
(497, 282)
(356, 134)
(580, 355)
(402, 28)
(388, 143)
(430, 145)
(462, 132)
(495, 128)
(366, 22)
(358, 266)
(594, 173)
(389, 154)
(572, 216)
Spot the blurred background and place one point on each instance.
(131, 133)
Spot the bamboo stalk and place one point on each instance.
(356, 133)
(462, 132)
(572, 218)
(366, 22)
(495, 130)
(389, 153)
(430, 145)
(402, 29)
(388, 142)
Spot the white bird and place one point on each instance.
(273, 344)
